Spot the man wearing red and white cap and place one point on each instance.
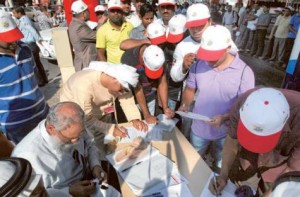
(263, 141)
(100, 13)
(219, 76)
(166, 10)
(81, 36)
(198, 19)
(149, 61)
(112, 33)
(22, 104)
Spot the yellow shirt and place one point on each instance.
(110, 38)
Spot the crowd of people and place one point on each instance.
(134, 66)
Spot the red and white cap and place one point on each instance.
(115, 4)
(262, 118)
(100, 8)
(9, 32)
(78, 6)
(166, 2)
(214, 43)
(176, 28)
(197, 15)
(154, 59)
(156, 33)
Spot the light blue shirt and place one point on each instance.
(29, 32)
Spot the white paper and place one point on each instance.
(228, 190)
(192, 115)
(165, 123)
(154, 133)
(154, 174)
(126, 163)
(172, 191)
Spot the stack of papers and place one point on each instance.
(154, 132)
(194, 116)
(228, 190)
(149, 173)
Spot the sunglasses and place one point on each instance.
(116, 11)
(99, 13)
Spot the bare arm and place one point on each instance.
(101, 54)
(131, 43)
(140, 97)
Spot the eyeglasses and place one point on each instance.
(124, 91)
(72, 138)
(116, 11)
(99, 13)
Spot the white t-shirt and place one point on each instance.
(187, 45)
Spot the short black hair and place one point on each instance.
(145, 9)
(20, 9)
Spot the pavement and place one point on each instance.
(266, 74)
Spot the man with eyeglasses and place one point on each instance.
(112, 33)
(81, 36)
(61, 150)
(95, 90)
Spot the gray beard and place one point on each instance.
(61, 146)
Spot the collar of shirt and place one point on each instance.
(124, 25)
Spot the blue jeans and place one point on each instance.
(172, 104)
(202, 145)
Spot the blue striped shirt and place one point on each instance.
(21, 101)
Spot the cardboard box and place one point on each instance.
(176, 147)
(63, 51)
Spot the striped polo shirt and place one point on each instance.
(21, 101)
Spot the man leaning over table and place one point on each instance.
(95, 90)
(263, 140)
(61, 150)
(219, 76)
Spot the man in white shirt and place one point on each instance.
(61, 150)
(198, 19)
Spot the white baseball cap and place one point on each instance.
(9, 32)
(156, 33)
(197, 15)
(154, 59)
(78, 7)
(278, 9)
(100, 8)
(166, 2)
(214, 43)
(262, 118)
(176, 28)
(115, 4)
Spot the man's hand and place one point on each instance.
(139, 125)
(151, 119)
(184, 107)
(169, 113)
(82, 188)
(216, 187)
(120, 132)
(188, 60)
(218, 120)
(99, 174)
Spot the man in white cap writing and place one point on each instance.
(22, 104)
(149, 61)
(82, 37)
(95, 90)
(61, 150)
(263, 139)
(220, 77)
